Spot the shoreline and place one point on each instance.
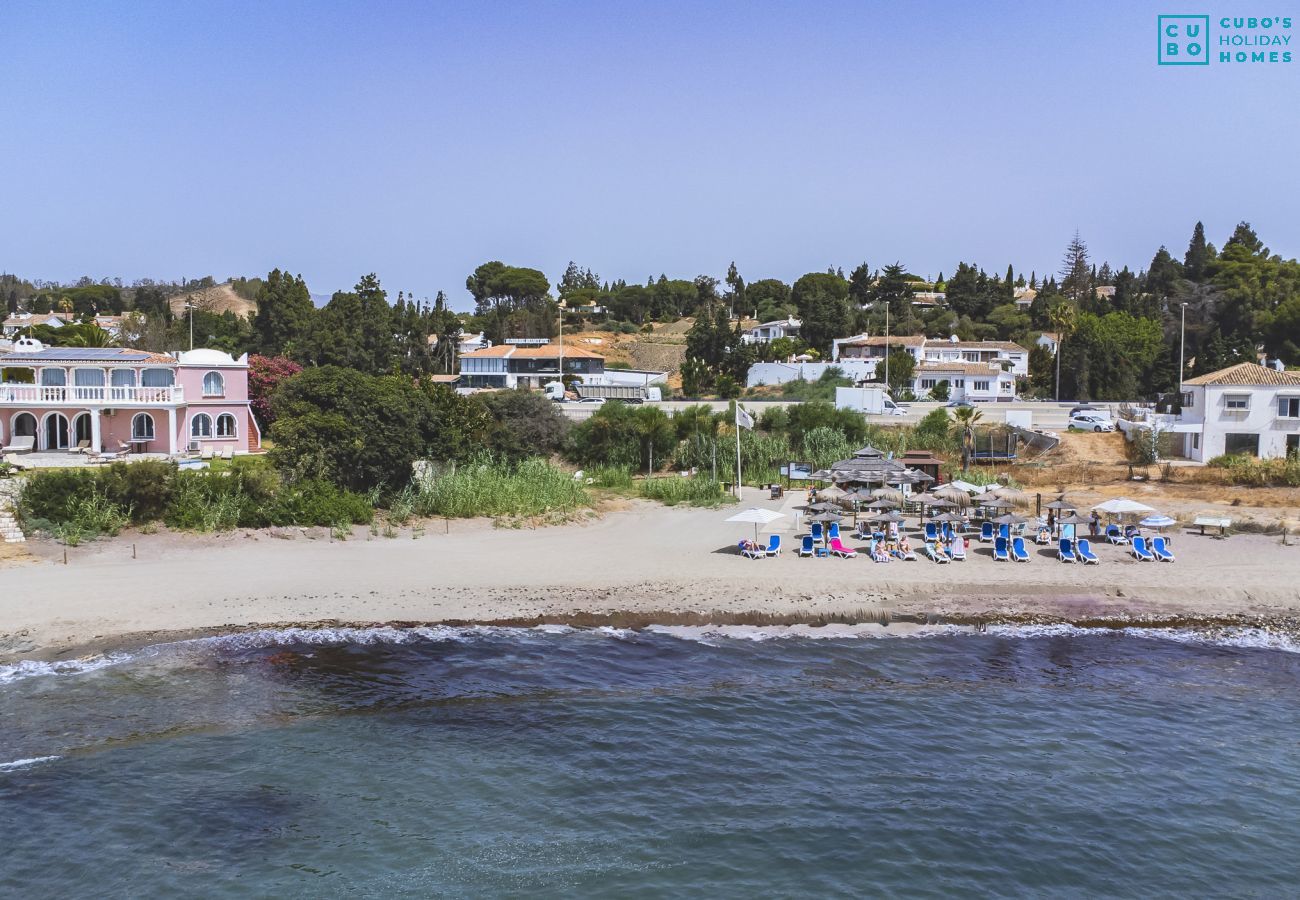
(903, 624)
(641, 564)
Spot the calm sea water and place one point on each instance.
(493, 762)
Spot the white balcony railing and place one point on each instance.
(45, 395)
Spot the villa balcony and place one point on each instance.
(81, 396)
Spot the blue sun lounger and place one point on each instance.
(1065, 551)
(1140, 550)
(1000, 550)
(774, 545)
(806, 546)
(817, 532)
(931, 532)
(1018, 551)
(1085, 552)
(1114, 535)
(986, 531)
(1160, 550)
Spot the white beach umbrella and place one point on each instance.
(1158, 522)
(758, 516)
(1123, 506)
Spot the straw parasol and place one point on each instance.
(1015, 495)
(882, 503)
(834, 492)
(885, 493)
(952, 493)
(758, 516)
(891, 516)
(1075, 519)
(825, 517)
(946, 517)
(1010, 519)
(997, 503)
(1061, 503)
(819, 506)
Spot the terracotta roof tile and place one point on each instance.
(1247, 374)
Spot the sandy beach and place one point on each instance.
(644, 560)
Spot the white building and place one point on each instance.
(770, 331)
(1246, 408)
(1006, 354)
(1051, 340)
(973, 381)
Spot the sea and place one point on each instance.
(1011, 761)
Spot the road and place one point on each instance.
(1047, 416)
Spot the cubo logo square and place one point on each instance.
(1184, 40)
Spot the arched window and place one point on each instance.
(214, 385)
(225, 426)
(201, 426)
(142, 427)
(24, 425)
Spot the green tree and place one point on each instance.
(965, 420)
(902, 365)
(284, 315)
(356, 330)
(525, 424)
(356, 430)
(823, 303)
(893, 289)
(940, 391)
(1076, 273)
(1198, 257)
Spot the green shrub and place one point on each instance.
(316, 502)
(698, 490)
(144, 488)
(616, 477)
(495, 488)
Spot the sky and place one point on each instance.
(418, 140)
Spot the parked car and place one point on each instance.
(1090, 422)
(960, 404)
(592, 400)
(1090, 410)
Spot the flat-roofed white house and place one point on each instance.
(976, 382)
(1014, 356)
(770, 331)
(1246, 408)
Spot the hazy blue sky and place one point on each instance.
(420, 139)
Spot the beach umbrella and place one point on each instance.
(996, 503)
(819, 506)
(1061, 503)
(825, 517)
(890, 516)
(1123, 506)
(888, 494)
(1015, 495)
(882, 503)
(953, 494)
(1010, 519)
(1158, 522)
(1075, 519)
(946, 517)
(758, 516)
(832, 493)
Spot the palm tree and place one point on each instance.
(1063, 318)
(966, 418)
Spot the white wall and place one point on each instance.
(1209, 407)
(780, 373)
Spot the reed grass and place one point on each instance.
(532, 487)
(697, 490)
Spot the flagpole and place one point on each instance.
(738, 495)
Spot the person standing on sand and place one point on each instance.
(1094, 522)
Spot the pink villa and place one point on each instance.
(111, 398)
